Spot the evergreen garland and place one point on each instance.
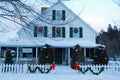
(89, 68)
(39, 69)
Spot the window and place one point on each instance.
(42, 31)
(90, 53)
(58, 15)
(58, 32)
(28, 52)
(76, 32)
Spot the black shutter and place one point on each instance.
(35, 31)
(45, 31)
(80, 32)
(53, 15)
(63, 14)
(71, 32)
(63, 32)
(53, 31)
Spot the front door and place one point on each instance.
(58, 55)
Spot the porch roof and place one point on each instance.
(53, 42)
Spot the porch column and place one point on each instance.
(85, 54)
(17, 54)
(36, 55)
(69, 56)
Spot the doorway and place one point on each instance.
(58, 55)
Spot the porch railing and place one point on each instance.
(21, 60)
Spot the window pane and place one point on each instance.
(59, 15)
(58, 32)
(76, 32)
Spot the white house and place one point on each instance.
(57, 26)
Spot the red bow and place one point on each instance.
(76, 66)
(53, 66)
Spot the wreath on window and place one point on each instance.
(58, 29)
(75, 30)
(40, 29)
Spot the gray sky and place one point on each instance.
(97, 13)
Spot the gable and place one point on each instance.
(71, 17)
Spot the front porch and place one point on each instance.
(30, 55)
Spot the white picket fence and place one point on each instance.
(108, 69)
(23, 68)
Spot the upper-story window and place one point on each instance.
(58, 15)
(40, 31)
(58, 32)
(76, 32)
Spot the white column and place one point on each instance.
(85, 54)
(17, 54)
(36, 55)
(69, 59)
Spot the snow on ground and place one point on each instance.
(61, 73)
(57, 77)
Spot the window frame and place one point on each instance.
(54, 32)
(79, 33)
(58, 15)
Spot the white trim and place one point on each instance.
(36, 55)
(69, 56)
(85, 55)
(0, 52)
(17, 54)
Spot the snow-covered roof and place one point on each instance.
(53, 42)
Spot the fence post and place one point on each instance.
(0, 68)
(25, 68)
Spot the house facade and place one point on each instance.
(57, 26)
